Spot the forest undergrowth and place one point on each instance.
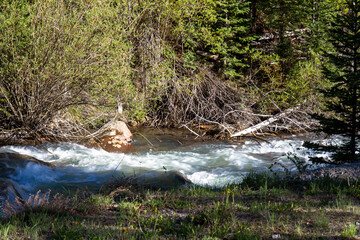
(69, 67)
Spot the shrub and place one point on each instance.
(53, 55)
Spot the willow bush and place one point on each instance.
(56, 54)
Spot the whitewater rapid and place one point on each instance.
(204, 163)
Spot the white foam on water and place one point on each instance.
(205, 164)
(33, 173)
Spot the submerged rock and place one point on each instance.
(9, 162)
(162, 180)
(128, 187)
(10, 190)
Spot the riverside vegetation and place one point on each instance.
(69, 67)
(262, 206)
(66, 66)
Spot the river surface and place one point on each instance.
(208, 163)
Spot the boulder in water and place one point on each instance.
(10, 190)
(10, 161)
(117, 138)
(162, 180)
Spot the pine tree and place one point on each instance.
(284, 18)
(344, 72)
(319, 14)
(231, 31)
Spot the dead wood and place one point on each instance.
(203, 98)
(282, 115)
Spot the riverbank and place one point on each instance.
(347, 171)
(261, 207)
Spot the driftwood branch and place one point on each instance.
(213, 122)
(265, 123)
(197, 135)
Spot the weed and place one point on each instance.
(299, 229)
(230, 193)
(300, 163)
(68, 232)
(349, 231)
(4, 231)
(256, 180)
(342, 201)
(100, 200)
(256, 207)
(271, 219)
(321, 220)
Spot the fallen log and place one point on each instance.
(265, 123)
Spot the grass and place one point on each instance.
(261, 207)
(349, 231)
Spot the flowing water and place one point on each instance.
(211, 163)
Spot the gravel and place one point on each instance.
(345, 171)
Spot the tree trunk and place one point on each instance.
(265, 123)
(354, 112)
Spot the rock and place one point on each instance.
(10, 190)
(347, 171)
(119, 128)
(162, 180)
(276, 236)
(9, 162)
(117, 138)
(12, 197)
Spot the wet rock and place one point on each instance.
(117, 138)
(10, 190)
(9, 162)
(162, 180)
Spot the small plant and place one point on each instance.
(355, 189)
(349, 231)
(101, 200)
(321, 220)
(341, 201)
(271, 219)
(299, 229)
(264, 180)
(230, 193)
(299, 163)
(4, 231)
(68, 232)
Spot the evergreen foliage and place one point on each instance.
(343, 71)
(319, 14)
(232, 37)
(285, 18)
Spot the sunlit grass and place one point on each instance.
(349, 231)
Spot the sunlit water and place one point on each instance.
(215, 163)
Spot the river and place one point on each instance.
(207, 163)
